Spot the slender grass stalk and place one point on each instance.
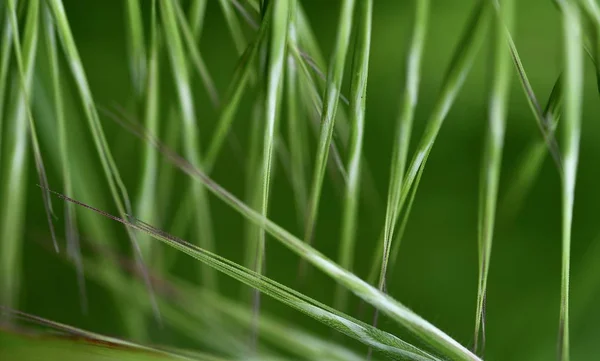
(33, 11)
(358, 98)
(275, 73)
(136, 47)
(73, 247)
(424, 330)
(492, 160)
(531, 162)
(15, 171)
(191, 137)
(272, 103)
(297, 137)
(111, 172)
(234, 95)
(196, 57)
(330, 103)
(459, 68)
(197, 13)
(6, 49)
(234, 25)
(384, 342)
(404, 128)
(145, 207)
(573, 85)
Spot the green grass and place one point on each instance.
(298, 109)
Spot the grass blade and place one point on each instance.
(148, 182)
(492, 161)
(404, 128)
(111, 172)
(4, 66)
(234, 25)
(459, 68)
(573, 85)
(330, 103)
(15, 174)
(358, 97)
(190, 39)
(136, 47)
(73, 248)
(191, 137)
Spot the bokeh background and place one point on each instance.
(436, 274)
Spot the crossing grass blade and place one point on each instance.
(73, 247)
(191, 137)
(422, 329)
(404, 127)
(330, 103)
(573, 86)
(358, 98)
(136, 47)
(492, 160)
(382, 341)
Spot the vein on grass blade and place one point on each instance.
(136, 47)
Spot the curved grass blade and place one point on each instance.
(191, 137)
(73, 248)
(424, 330)
(197, 13)
(358, 97)
(492, 160)
(330, 103)
(404, 129)
(136, 47)
(382, 341)
(573, 85)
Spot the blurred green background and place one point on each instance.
(436, 275)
